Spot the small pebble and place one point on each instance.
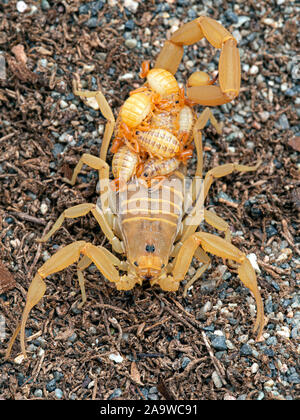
(254, 69)
(63, 104)
(43, 208)
(246, 350)
(19, 359)
(219, 343)
(38, 393)
(45, 5)
(116, 394)
(185, 362)
(228, 397)
(50, 386)
(131, 43)
(261, 396)
(253, 260)
(284, 332)
(216, 379)
(254, 368)
(126, 76)
(117, 358)
(264, 116)
(21, 6)
(58, 393)
(283, 122)
(131, 5)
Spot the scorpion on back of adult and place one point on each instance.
(150, 228)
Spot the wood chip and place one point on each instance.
(294, 142)
(135, 374)
(7, 281)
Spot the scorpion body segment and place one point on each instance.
(153, 215)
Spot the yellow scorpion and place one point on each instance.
(150, 228)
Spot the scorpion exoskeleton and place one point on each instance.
(151, 227)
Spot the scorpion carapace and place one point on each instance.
(151, 227)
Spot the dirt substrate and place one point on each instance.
(145, 343)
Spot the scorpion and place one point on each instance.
(151, 227)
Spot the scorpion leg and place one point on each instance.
(203, 118)
(94, 163)
(86, 261)
(221, 248)
(83, 210)
(223, 170)
(203, 258)
(62, 259)
(82, 265)
(191, 223)
(229, 64)
(217, 222)
(105, 110)
(103, 214)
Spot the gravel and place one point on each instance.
(157, 335)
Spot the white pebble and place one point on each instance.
(282, 366)
(126, 76)
(91, 384)
(254, 368)
(41, 352)
(131, 43)
(284, 332)
(131, 5)
(253, 260)
(270, 22)
(217, 380)
(254, 69)
(43, 208)
(116, 357)
(63, 104)
(15, 243)
(45, 256)
(252, 309)
(264, 116)
(230, 345)
(241, 21)
(269, 383)
(190, 64)
(19, 359)
(21, 6)
(243, 338)
(66, 138)
(206, 307)
(228, 397)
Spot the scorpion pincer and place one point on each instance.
(150, 228)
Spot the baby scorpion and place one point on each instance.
(151, 228)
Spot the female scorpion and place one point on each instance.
(151, 227)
